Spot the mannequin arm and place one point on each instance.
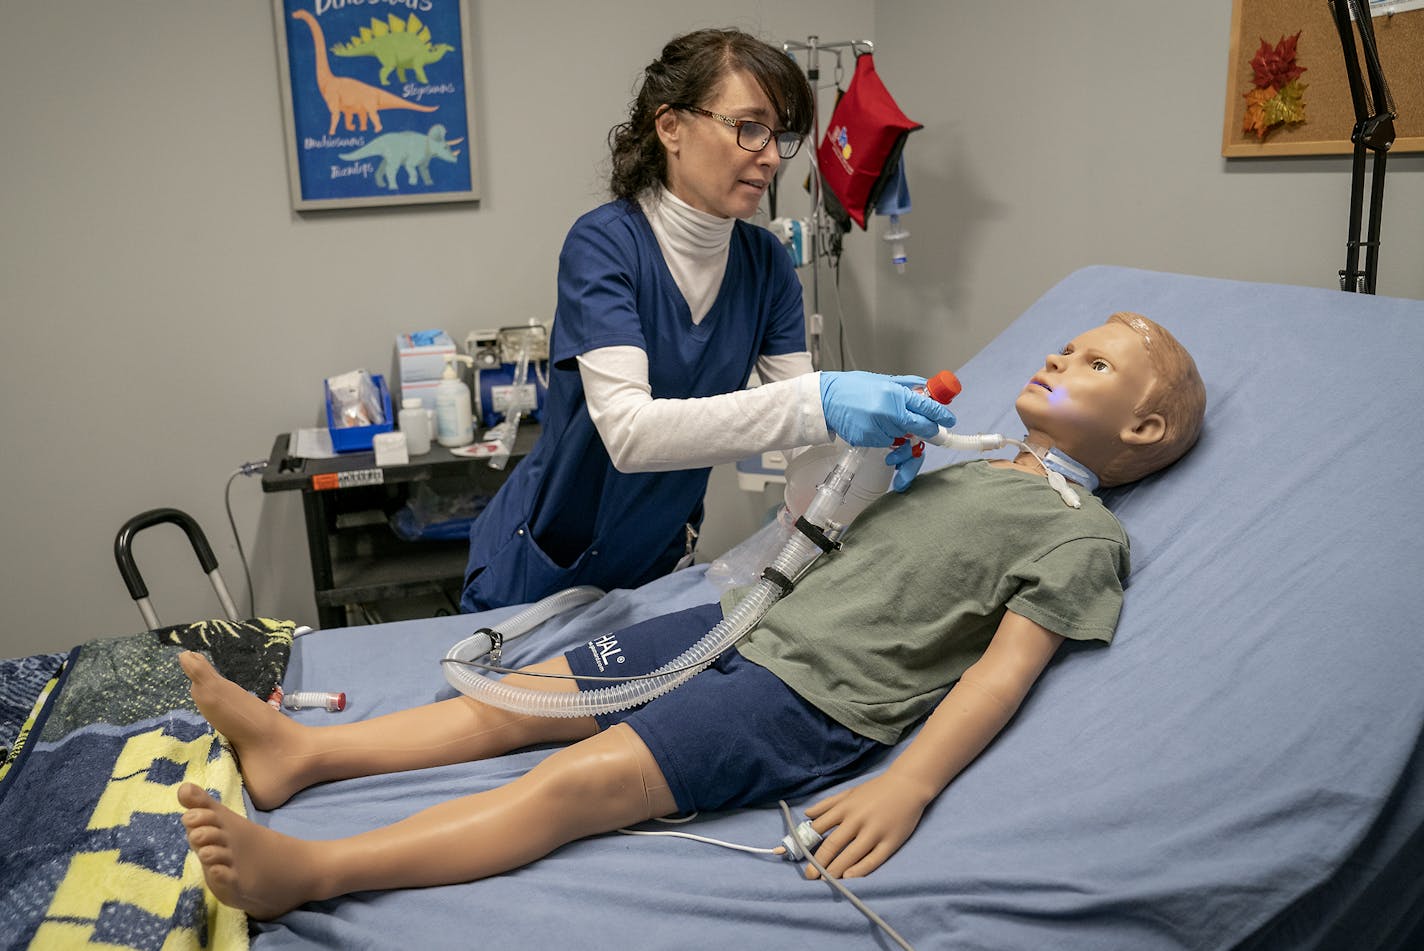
(872, 820)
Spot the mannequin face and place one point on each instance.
(706, 167)
(1084, 400)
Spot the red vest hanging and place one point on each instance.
(862, 144)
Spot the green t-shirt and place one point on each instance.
(875, 634)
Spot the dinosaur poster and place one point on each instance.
(378, 102)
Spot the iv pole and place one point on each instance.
(1373, 131)
(813, 47)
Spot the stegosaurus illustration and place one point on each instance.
(398, 45)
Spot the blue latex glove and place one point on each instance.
(906, 463)
(870, 409)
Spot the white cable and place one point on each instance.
(848, 361)
(247, 469)
(834, 882)
(703, 838)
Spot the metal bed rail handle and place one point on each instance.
(133, 580)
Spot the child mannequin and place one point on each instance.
(985, 614)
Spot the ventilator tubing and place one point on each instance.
(977, 442)
(480, 643)
(827, 512)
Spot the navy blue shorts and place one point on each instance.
(734, 735)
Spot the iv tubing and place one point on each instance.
(792, 561)
(509, 429)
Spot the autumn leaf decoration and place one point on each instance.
(1277, 94)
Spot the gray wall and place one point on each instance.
(166, 313)
(1059, 135)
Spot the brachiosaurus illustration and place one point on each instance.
(347, 97)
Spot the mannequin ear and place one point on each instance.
(668, 127)
(1150, 429)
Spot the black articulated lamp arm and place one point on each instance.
(1374, 131)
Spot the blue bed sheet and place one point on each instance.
(1242, 768)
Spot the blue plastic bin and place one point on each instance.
(358, 438)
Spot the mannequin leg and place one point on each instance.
(279, 757)
(596, 785)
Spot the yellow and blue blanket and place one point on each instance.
(93, 746)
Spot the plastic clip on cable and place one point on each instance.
(801, 842)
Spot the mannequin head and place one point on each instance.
(1125, 399)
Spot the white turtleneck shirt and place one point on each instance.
(643, 434)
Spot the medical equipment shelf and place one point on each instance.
(355, 557)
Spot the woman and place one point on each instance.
(667, 300)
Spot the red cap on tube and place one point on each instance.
(943, 386)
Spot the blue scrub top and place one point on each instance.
(566, 516)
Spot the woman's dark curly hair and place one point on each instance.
(687, 72)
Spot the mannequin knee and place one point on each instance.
(603, 780)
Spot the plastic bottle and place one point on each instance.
(942, 387)
(415, 423)
(454, 415)
(896, 236)
(319, 699)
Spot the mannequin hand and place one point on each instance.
(869, 409)
(868, 824)
(907, 464)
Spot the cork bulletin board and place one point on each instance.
(1323, 101)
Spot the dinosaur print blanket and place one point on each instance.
(93, 746)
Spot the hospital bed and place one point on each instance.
(1242, 768)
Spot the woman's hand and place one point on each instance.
(870, 409)
(867, 824)
(907, 463)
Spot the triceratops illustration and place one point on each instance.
(409, 149)
(398, 45)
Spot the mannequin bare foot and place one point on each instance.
(247, 866)
(271, 749)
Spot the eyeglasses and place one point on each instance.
(753, 136)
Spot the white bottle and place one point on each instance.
(454, 416)
(415, 423)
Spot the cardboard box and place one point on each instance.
(422, 363)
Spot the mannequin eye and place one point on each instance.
(1100, 366)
